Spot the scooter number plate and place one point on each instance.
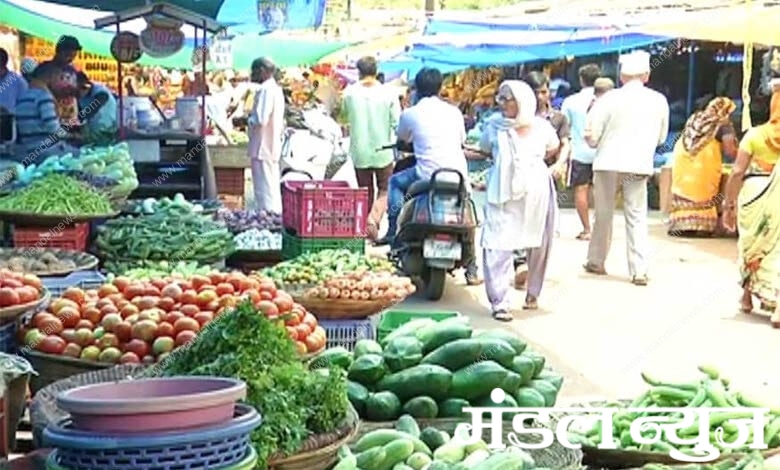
(441, 249)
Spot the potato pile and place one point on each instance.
(364, 285)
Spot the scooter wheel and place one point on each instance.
(434, 280)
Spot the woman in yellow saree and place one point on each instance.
(752, 204)
(697, 168)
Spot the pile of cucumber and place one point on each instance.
(434, 369)
(408, 448)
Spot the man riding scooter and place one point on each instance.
(437, 132)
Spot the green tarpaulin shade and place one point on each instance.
(208, 8)
(285, 52)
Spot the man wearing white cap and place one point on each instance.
(625, 126)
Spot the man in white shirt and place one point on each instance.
(625, 126)
(437, 131)
(266, 126)
(575, 108)
(12, 85)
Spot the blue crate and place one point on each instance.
(216, 446)
(83, 279)
(346, 333)
(8, 337)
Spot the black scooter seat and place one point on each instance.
(423, 186)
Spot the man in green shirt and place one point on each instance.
(372, 111)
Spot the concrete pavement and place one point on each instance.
(602, 331)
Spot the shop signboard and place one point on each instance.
(271, 15)
(161, 38)
(222, 54)
(126, 47)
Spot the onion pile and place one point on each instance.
(241, 221)
(364, 286)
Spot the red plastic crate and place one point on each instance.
(69, 238)
(324, 209)
(230, 181)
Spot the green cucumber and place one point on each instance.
(397, 452)
(407, 424)
(497, 350)
(432, 438)
(382, 406)
(515, 341)
(451, 452)
(455, 354)
(367, 369)
(548, 391)
(407, 329)
(358, 395)
(549, 376)
(525, 367)
(503, 461)
(424, 379)
(477, 380)
(366, 346)
(418, 461)
(511, 383)
(402, 353)
(337, 356)
(538, 359)
(422, 407)
(452, 408)
(371, 459)
(528, 397)
(441, 333)
(381, 437)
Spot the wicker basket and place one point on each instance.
(51, 368)
(320, 452)
(44, 409)
(343, 309)
(555, 456)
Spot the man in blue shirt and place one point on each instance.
(39, 133)
(575, 108)
(11, 84)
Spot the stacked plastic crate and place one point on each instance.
(324, 215)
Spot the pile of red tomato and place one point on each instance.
(18, 289)
(129, 321)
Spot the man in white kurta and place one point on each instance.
(266, 127)
(625, 126)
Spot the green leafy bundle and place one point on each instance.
(294, 402)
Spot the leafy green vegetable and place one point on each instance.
(293, 401)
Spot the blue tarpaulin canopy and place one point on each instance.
(455, 45)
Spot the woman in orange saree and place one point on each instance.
(752, 204)
(697, 169)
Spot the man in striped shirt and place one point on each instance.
(39, 133)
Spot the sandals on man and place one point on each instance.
(639, 280)
(502, 315)
(593, 269)
(531, 303)
(583, 236)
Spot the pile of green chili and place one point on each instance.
(57, 194)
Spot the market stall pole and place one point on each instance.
(172, 157)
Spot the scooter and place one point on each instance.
(436, 228)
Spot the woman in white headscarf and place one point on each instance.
(521, 207)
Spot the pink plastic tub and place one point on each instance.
(145, 405)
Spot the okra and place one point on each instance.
(671, 394)
(710, 372)
(698, 399)
(717, 396)
(772, 431)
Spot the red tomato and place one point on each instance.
(268, 285)
(166, 303)
(312, 343)
(137, 346)
(203, 318)
(133, 290)
(266, 295)
(185, 337)
(189, 310)
(293, 332)
(292, 319)
(300, 347)
(12, 283)
(320, 331)
(225, 288)
(310, 320)
(268, 308)
(283, 303)
(189, 297)
(186, 324)
(217, 277)
(9, 297)
(166, 329)
(172, 316)
(52, 345)
(303, 331)
(198, 281)
(32, 280)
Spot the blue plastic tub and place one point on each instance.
(84, 279)
(346, 333)
(208, 447)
